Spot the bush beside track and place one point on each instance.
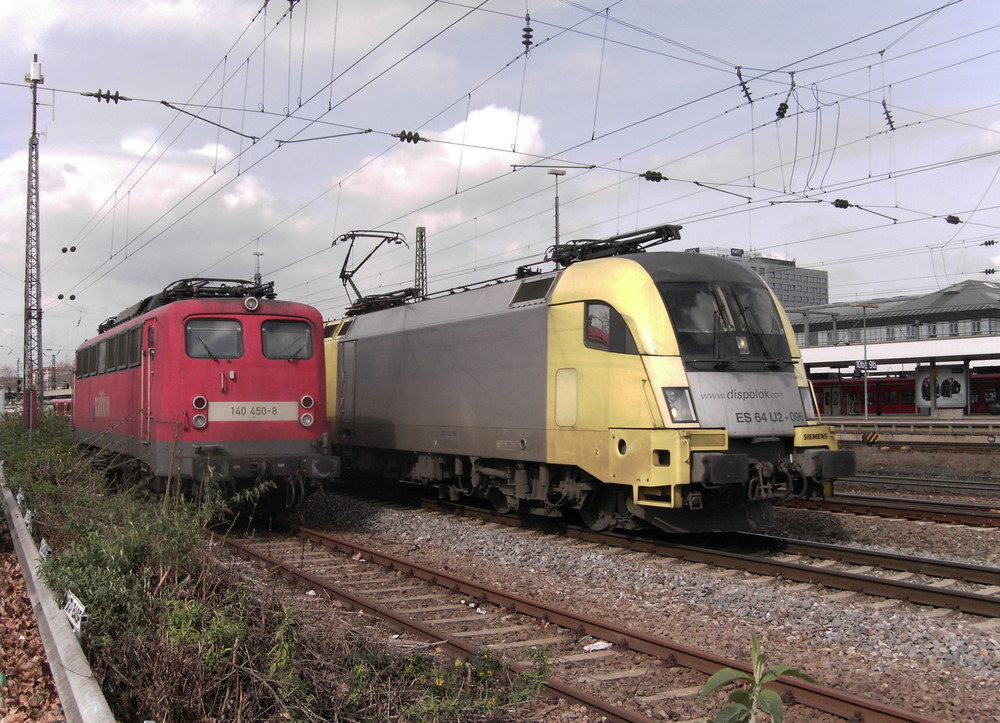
(172, 636)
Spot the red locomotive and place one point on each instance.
(211, 378)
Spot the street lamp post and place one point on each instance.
(557, 172)
(864, 342)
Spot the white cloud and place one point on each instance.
(215, 152)
(484, 141)
(430, 170)
(140, 143)
(247, 192)
(29, 31)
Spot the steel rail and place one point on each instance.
(944, 505)
(944, 447)
(452, 645)
(818, 697)
(904, 509)
(890, 560)
(969, 602)
(952, 485)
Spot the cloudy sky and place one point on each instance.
(260, 132)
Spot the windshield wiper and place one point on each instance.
(283, 353)
(753, 326)
(717, 351)
(205, 344)
(302, 346)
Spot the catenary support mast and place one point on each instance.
(420, 274)
(33, 384)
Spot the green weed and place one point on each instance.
(747, 703)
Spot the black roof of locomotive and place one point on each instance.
(194, 288)
(676, 266)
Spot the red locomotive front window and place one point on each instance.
(214, 339)
(281, 339)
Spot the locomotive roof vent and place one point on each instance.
(532, 290)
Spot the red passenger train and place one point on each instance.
(844, 396)
(210, 377)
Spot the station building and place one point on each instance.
(793, 285)
(936, 355)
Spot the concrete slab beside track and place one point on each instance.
(81, 697)
(902, 430)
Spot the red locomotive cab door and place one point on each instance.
(148, 371)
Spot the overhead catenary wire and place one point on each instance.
(341, 186)
(157, 235)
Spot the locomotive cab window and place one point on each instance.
(289, 340)
(605, 329)
(725, 322)
(337, 329)
(214, 339)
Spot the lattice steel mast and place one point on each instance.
(420, 274)
(33, 384)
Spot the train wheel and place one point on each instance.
(600, 510)
(500, 501)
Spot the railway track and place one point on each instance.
(945, 446)
(974, 487)
(921, 581)
(961, 513)
(434, 606)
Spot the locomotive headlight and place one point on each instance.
(306, 420)
(807, 403)
(199, 402)
(200, 421)
(307, 402)
(680, 405)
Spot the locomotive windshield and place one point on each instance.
(725, 323)
(214, 339)
(286, 339)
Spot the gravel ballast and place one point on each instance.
(937, 662)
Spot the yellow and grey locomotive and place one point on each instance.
(633, 388)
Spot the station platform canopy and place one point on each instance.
(957, 324)
(940, 351)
